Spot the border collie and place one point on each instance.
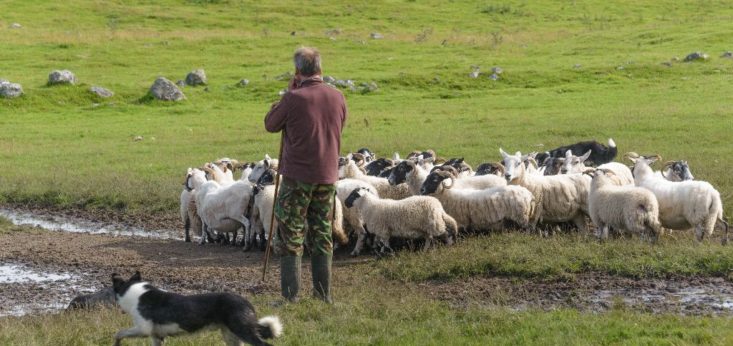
(159, 314)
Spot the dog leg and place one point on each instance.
(134, 332)
(229, 338)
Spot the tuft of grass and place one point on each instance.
(562, 256)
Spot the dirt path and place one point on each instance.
(89, 260)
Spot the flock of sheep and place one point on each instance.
(426, 197)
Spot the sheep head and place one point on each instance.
(400, 172)
(514, 167)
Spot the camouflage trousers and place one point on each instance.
(300, 204)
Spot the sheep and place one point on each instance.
(216, 173)
(352, 217)
(482, 209)
(600, 154)
(194, 178)
(376, 167)
(464, 169)
(246, 168)
(684, 204)
(487, 168)
(261, 215)
(559, 198)
(416, 217)
(410, 173)
(368, 154)
(630, 208)
(262, 166)
(475, 182)
(223, 208)
(576, 164)
(676, 171)
(349, 169)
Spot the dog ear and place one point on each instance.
(136, 276)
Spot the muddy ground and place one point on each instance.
(188, 267)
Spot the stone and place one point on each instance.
(61, 77)
(180, 83)
(101, 92)
(10, 90)
(285, 76)
(137, 138)
(577, 66)
(164, 89)
(667, 63)
(696, 56)
(15, 26)
(346, 84)
(727, 54)
(333, 32)
(494, 76)
(376, 36)
(474, 74)
(497, 70)
(329, 80)
(196, 77)
(365, 88)
(243, 83)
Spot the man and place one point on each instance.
(311, 115)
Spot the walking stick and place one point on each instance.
(274, 202)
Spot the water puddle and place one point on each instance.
(67, 224)
(692, 299)
(29, 290)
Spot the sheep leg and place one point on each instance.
(426, 247)
(187, 227)
(204, 234)
(699, 233)
(360, 236)
(580, 222)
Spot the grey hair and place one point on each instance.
(308, 61)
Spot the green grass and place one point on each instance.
(562, 256)
(396, 315)
(62, 146)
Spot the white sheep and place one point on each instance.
(559, 198)
(352, 216)
(621, 174)
(684, 204)
(623, 208)
(482, 209)
(416, 217)
(262, 166)
(194, 178)
(349, 169)
(223, 208)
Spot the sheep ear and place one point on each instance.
(586, 156)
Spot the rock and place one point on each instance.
(474, 74)
(696, 56)
(494, 76)
(103, 297)
(497, 70)
(164, 89)
(329, 79)
(101, 92)
(727, 54)
(620, 68)
(243, 83)
(196, 77)
(137, 138)
(577, 66)
(285, 76)
(667, 63)
(15, 26)
(10, 90)
(346, 84)
(333, 32)
(365, 88)
(181, 83)
(376, 36)
(61, 77)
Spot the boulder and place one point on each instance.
(10, 90)
(196, 77)
(164, 89)
(696, 56)
(376, 36)
(61, 77)
(103, 297)
(101, 92)
(728, 55)
(243, 83)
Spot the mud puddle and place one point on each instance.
(593, 293)
(26, 289)
(64, 223)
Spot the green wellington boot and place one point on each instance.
(321, 268)
(290, 277)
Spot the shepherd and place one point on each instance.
(311, 116)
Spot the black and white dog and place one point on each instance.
(158, 314)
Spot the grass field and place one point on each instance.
(573, 70)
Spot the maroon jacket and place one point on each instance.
(312, 116)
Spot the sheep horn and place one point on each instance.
(631, 156)
(590, 171)
(532, 161)
(452, 170)
(668, 163)
(451, 182)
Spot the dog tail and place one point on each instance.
(270, 327)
